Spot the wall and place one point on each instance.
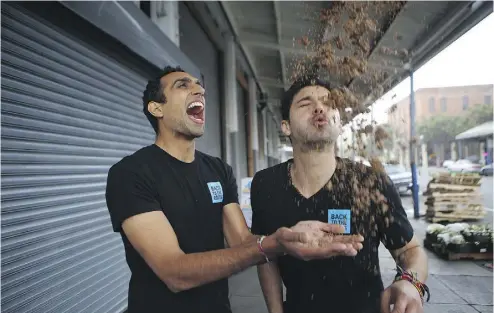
(196, 44)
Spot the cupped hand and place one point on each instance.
(310, 240)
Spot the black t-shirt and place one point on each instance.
(192, 196)
(339, 284)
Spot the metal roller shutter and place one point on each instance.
(69, 112)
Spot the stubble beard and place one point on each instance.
(313, 145)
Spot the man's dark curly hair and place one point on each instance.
(154, 92)
(299, 84)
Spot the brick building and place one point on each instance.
(450, 101)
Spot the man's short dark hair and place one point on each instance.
(154, 92)
(299, 84)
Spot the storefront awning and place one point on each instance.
(483, 130)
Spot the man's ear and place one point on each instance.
(285, 128)
(156, 109)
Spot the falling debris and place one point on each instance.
(343, 57)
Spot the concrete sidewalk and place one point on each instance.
(456, 286)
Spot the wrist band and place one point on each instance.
(412, 278)
(259, 246)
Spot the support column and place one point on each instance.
(466, 150)
(231, 112)
(481, 153)
(425, 159)
(254, 136)
(265, 135)
(454, 155)
(413, 152)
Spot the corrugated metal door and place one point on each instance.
(195, 43)
(69, 111)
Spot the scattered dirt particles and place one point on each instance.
(342, 56)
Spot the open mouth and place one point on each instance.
(195, 111)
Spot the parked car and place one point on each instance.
(486, 170)
(400, 176)
(447, 163)
(465, 166)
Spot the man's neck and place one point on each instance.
(312, 169)
(177, 146)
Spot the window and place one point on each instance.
(488, 99)
(432, 104)
(465, 102)
(444, 107)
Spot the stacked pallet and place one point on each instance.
(454, 198)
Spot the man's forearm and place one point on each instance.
(271, 285)
(195, 269)
(415, 260)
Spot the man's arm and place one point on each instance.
(135, 210)
(272, 286)
(412, 258)
(399, 237)
(154, 238)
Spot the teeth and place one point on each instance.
(195, 104)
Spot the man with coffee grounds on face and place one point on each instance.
(317, 185)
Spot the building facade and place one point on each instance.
(73, 74)
(441, 101)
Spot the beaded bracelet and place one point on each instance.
(412, 278)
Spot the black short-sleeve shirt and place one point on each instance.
(373, 208)
(192, 197)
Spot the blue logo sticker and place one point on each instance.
(340, 217)
(216, 192)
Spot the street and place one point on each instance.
(424, 178)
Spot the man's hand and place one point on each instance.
(403, 296)
(310, 240)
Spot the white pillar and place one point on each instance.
(407, 157)
(465, 149)
(481, 151)
(425, 159)
(454, 155)
(254, 133)
(265, 135)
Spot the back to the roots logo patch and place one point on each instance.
(216, 192)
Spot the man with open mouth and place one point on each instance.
(175, 206)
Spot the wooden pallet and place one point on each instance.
(468, 179)
(457, 207)
(451, 188)
(451, 219)
(454, 197)
(451, 256)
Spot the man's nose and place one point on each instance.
(319, 107)
(198, 90)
